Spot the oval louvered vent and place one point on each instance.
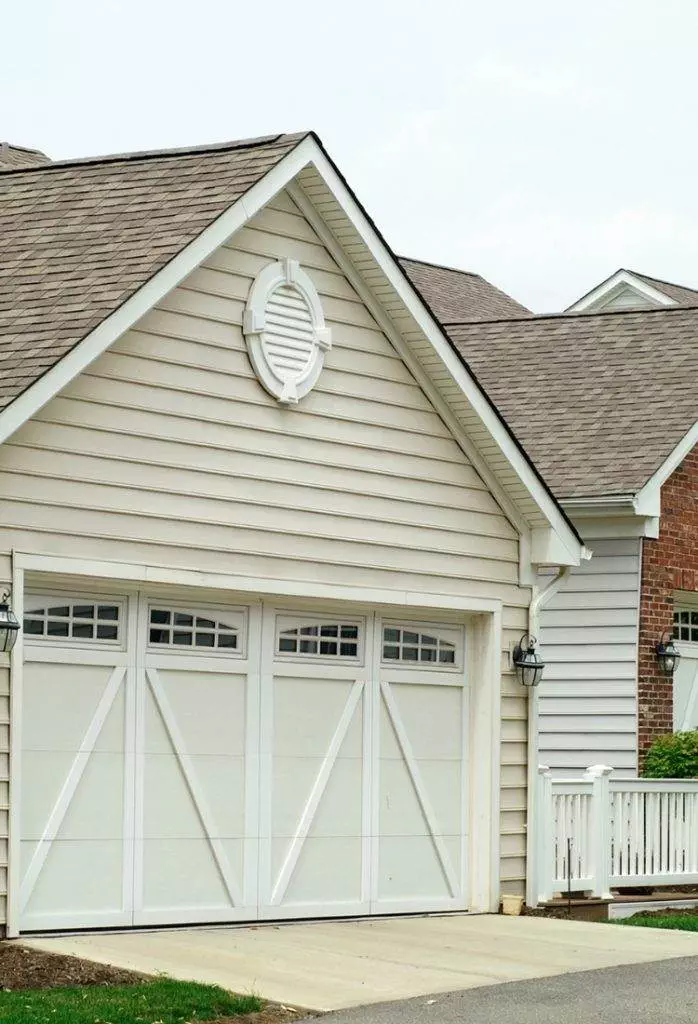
(285, 331)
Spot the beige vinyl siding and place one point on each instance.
(167, 451)
(588, 696)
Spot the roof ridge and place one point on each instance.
(580, 314)
(155, 154)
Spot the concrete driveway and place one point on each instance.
(336, 964)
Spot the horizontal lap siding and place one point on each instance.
(167, 451)
(589, 635)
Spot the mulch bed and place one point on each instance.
(21, 967)
(25, 968)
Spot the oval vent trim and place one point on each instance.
(284, 327)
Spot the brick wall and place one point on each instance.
(669, 563)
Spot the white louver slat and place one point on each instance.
(285, 330)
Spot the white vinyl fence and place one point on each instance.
(621, 832)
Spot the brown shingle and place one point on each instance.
(598, 401)
(459, 294)
(79, 238)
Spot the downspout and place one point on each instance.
(539, 600)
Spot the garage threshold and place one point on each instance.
(241, 925)
(330, 964)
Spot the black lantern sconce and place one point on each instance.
(667, 654)
(9, 625)
(527, 661)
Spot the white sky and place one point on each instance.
(542, 143)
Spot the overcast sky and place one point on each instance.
(541, 143)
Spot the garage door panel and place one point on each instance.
(77, 878)
(422, 758)
(317, 795)
(328, 874)
(194, 780)
(171, 811)
(438, 734)
(189, 869)
(208, 707)
(311, 709)
(410, 868)
(340, 808)
(97, 807)
(59, 703)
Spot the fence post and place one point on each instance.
(545, 835)
(600, 829)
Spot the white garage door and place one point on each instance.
(188, 762)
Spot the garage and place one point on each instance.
(187, 760)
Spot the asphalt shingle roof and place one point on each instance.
(78, 238)
(459, 294)
(598, 401)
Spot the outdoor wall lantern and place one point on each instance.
(9, 626)
(527, 662)
(667, 655)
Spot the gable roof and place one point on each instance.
(650, 291)
(459, 294)
(601, 400)
(680, 293)
(124, 231)
(78, 238)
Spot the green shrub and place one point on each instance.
(673, 757)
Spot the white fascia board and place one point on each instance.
(618, 515)
(155, 289)
(231, 220)
(621, 277)
(434, 333)
(649, 496)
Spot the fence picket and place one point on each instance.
(634, 832)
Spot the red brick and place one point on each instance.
(669, 563)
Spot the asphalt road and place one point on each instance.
(664, 992)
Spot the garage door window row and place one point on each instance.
(404, 644)
(331, 639)
(73, 620)
(170, 627)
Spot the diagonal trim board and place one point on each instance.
(201, 807)
(420, 788)
(69, 787)
(316, 793)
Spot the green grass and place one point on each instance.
(679, 922)
(156, 1002)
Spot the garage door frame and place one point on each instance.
(483, 645)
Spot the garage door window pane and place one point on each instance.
(75, 620)
(409, 645)
(686, 625)
(324, 640)
(172, 628)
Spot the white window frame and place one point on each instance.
(287, 386)
(210, 611)
(448, 632)
(35, 599)
(293, 620)
(686, 603)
